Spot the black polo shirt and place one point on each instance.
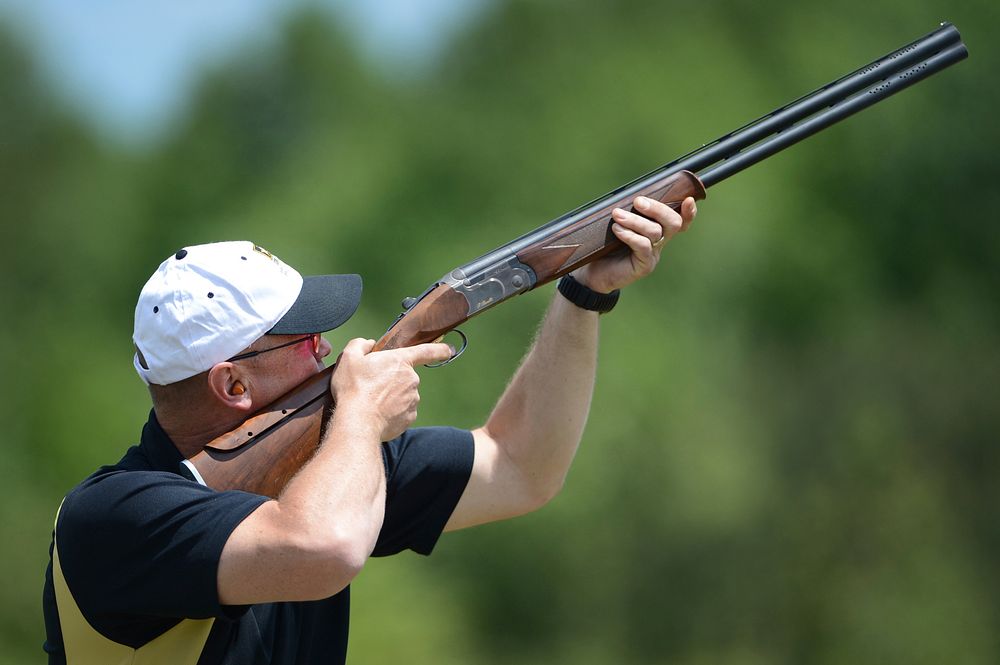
(139, 547)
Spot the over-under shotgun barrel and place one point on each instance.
(842, 109)
(914, 55)
(780, 119)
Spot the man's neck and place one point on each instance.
(190, 432)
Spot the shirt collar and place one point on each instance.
(158, 448)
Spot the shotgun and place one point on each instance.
(263, 454)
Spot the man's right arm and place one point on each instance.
(313, 540)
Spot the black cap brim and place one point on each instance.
(324, 303)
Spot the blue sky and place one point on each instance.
(129, 65)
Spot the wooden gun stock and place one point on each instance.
(264, 453)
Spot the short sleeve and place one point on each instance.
(427, 470)
(147, 544)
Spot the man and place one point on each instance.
(148, 565)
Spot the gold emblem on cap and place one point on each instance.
(266, 253)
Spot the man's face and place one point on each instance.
(275, 370)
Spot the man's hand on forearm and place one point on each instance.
(645, 234)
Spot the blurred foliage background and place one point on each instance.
(793, 452)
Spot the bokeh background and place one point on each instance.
(793, 456)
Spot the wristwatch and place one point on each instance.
(587, 298)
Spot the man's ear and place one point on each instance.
(230, 386)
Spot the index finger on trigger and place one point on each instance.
(425, 354)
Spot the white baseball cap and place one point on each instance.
(206, 303)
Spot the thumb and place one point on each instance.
(359, 346)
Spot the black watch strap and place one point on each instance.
(587, 298)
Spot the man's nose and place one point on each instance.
(324, 348)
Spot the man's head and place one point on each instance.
(211, 304)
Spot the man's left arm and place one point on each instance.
(523, 452)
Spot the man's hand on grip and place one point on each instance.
(383, 385)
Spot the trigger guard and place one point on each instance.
(461, 350)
